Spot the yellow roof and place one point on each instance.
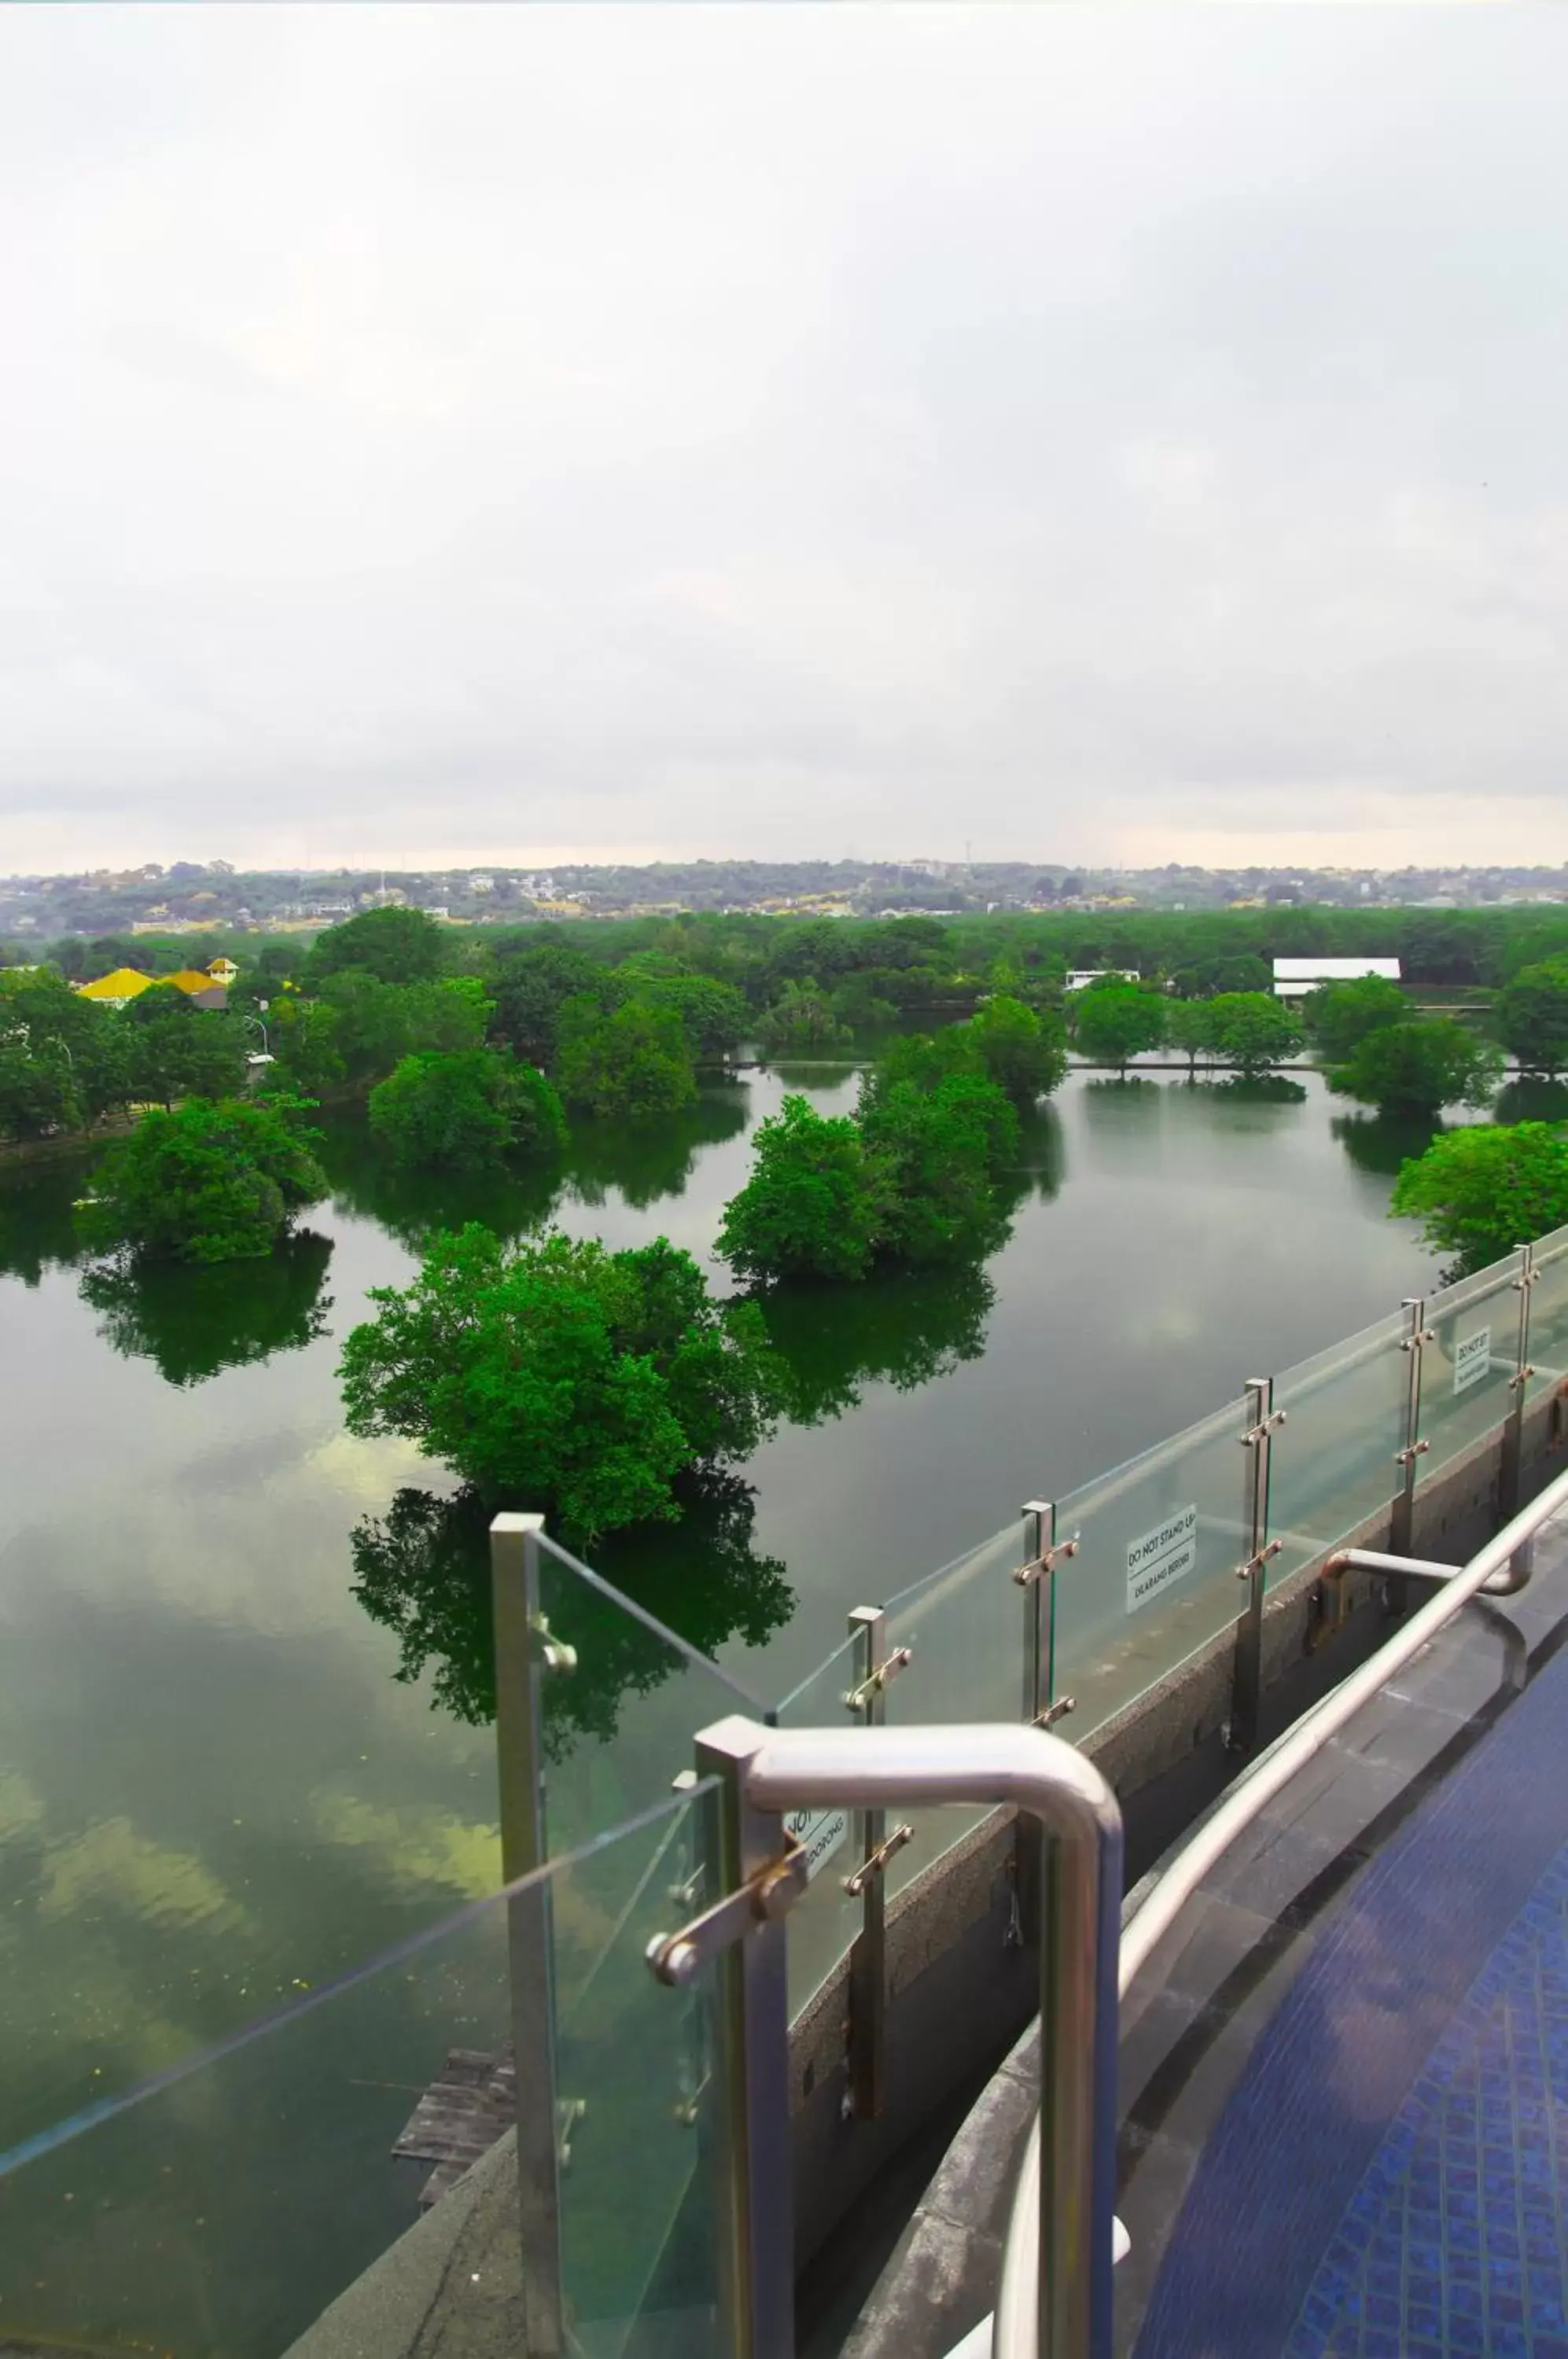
(190, 978)
(124, 983)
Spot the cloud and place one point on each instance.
(442, 434)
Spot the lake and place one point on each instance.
(215, 1789)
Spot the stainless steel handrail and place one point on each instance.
(1018, 2299)
(887, 1768)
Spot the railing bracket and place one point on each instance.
(1042, 1567)
(880, 1678)
(873, 1866)
(1054, 1711)
(677, 1958)
(1256, 1564)
(1262, 1430)
(550, 1654)
(1408, 1457)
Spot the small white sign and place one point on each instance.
(821, 1831)
(1161, 1556)
(1471, 1358)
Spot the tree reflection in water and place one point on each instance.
(191, 1321)
(38, 1221)
(1531, 1099)
(1382, 1141)
(646, 1160)
(423, 1572)
(904, 1329)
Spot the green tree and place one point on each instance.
(632, 1061)
(303, 1036)
(713, 1016)
(397, 946)
(580, 1381)
(206, 1182)
(808, 1210)
(39, 1095)
(1116, 1021)
(1482, 1189)
(934, 1156)
(179, 1051)
(1532, 1016)
(1429, 1062)
(1023, 1053)
(1251, 1031)
(1187, 1029)
(532, 986)
(454, 1109)
(1339, 1015)
(801, 1021)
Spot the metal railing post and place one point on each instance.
(1246, 1677)
(1512, 1462)
(751, 2066)
(1041, 1707)
(867, 2044)
(1401, 1522)
(514, 1599)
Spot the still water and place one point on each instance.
(243, 1661)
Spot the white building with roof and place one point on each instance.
(1294, 977)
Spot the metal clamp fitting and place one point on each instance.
(1262, 1431)
(881, 1678)
(1256, 1564)
(1416, 1450)
(1042, 1567)
(877, 1860)
(676, 1958)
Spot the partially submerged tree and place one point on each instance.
(453, 1111)
(1482, 1189)
(206, 1182)
(633, 1060)
(576, 1380)
(1429, 1062)
(1339, 1015)
(1025, 1053)
(1114, 1022)
(808, 1210)
(1250, 1031)
(1532, 1016)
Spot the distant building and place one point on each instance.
(1082, 976)
(200, 989)
(224, 971)
(1294, 977)
(114, 990)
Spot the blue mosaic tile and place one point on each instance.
(1466, 2194)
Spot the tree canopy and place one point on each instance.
(1023, 1051)
(1114, 1022)
(808, 1210)
(1484, 1188)
(455, 1109)
(396, 946)
(1250, 1030)
(1339, 1015)
(206, 1182)
(1532, 1016)
(1424, 1063)
(633, 1060)
(579, 1381)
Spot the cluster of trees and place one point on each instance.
(1249, 1031)
(1482, 1189)
(68, 1063)
(206, 1182)
(915, 1175)
(550, 1369)
(1381, 1054)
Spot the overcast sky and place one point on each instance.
(503, 432)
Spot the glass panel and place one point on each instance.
(964, 1628)
(218, 2211)
(1159, 1542)
(635, 2097)
(1333, 1462)
(621, 1717)
(825, 1920)
(1548, 1352)
(1467, 1369)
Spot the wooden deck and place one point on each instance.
(460, 2117)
